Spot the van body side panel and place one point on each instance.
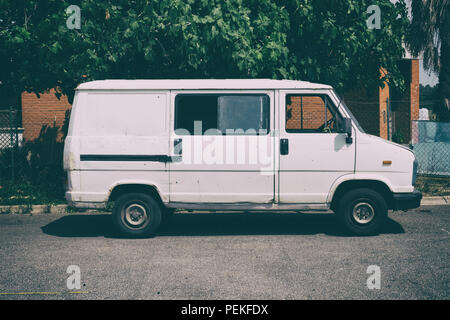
(120, 136)
(372, 151)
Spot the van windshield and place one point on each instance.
(342, 103)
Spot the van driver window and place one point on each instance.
(231, 114)
(311, 114)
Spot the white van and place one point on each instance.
(152, 146)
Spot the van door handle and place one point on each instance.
(178, 147)
(284, 146)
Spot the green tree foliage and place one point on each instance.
(429, 34)
(324, 41)
(26, 32)
(430, 99)
(331, 43)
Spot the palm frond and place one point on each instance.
(427, 31)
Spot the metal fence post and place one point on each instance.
(11, 128)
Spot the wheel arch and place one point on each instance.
(124, 188)
(379, 186)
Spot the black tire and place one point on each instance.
(362, 211)
(167, 216)
(136, 215)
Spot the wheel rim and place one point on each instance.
(363, 213)
(135, 215)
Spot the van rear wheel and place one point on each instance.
(362, 211)
(136, 214)
(167, 216)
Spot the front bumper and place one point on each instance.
(405, 201)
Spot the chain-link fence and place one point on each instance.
(387, 118)
(430, 140)
(431, 145)
(30, 148)
(11, 139)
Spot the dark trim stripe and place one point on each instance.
(126, 157)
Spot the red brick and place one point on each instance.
(37, 112)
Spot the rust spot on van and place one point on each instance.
(71, 161)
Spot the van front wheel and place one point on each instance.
(362, 211)
(136, 214)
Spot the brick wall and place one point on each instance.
(370, 107)
(313, 110)
(414, 87)
(46, 110)
(405, 104)
(383, 108)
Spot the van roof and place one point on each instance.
(193, 84)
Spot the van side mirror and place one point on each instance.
(348, 130)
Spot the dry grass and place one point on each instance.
(433, 186)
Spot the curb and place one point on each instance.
(433, 201)
(40, 209)
(65, 209)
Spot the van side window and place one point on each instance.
(231, 114)
(311, 114)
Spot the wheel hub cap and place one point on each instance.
(135, 215)
(363, 213)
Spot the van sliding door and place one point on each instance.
(222, 147)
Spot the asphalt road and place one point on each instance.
(226, 256)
